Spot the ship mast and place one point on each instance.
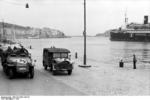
(126, 19)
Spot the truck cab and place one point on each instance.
(57, 59)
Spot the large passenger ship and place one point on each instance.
(132, 32)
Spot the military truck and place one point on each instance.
(57, 59)
(16, 62)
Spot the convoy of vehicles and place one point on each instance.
(18, 61)
(57, 59)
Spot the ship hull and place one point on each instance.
(137, 37)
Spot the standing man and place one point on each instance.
(76, 55)
(134, 61)
(121, 63)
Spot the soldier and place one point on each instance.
(23, 50)
(15, 48)
(9, 50)
(76, 55)
(134, 61)
(30, 47)
(121, 63)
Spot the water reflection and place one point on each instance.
(141, 50)
(145, 51)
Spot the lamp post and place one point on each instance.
(84, 34)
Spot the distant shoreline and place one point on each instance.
(57, 37)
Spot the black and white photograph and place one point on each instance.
(74, 48)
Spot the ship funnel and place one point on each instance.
(145, 19)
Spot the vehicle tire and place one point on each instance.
(45, 67)
(53, 72)
(69, 72)
(7, 72)
(51, 68)
(10, 73)
(31, 73)
(4, 69)
(2, 63)
(43, 63)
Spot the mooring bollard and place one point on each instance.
(121, 64)
(76, 55)
(30, 47)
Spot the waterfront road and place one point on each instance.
(43, 83)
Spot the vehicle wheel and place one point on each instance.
(43, 63)
(11, 73)
(51, 68)
(53, 72)
(69, 72)
(45, 67)
(31, 73)
(4, 69)
(2, 63)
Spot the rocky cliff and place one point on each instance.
(18, 31)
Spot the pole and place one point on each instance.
(84, 33)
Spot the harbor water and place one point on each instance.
(100, 50)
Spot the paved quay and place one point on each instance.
(42, 84)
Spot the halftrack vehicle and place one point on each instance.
(17, 62)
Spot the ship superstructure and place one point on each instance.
(132, 32)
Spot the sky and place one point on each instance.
(67, 15)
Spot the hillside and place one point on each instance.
(18, 31)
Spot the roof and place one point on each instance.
(58, 50)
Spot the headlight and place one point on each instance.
(11, 63)
(12, 60)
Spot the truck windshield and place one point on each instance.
(13, 55)
(56, 55)
(23, 55)
(60, 55)
(18, 55)
(64, 55)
